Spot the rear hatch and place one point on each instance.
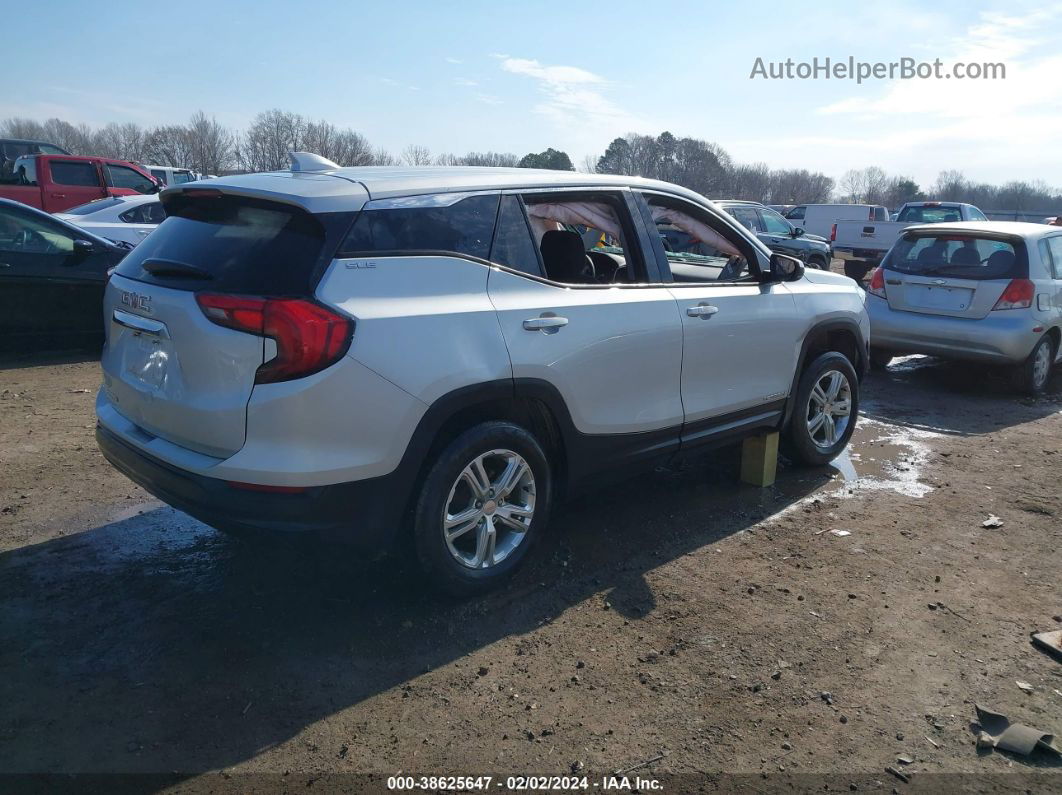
(954, 273)
(167, 367)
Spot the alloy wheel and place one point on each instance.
(489, 509)
(829, 409)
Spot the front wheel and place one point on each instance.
(483, 504)
(821, 264)
(1032, 375)
(825, 408)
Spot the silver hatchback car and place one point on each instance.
(981, 291)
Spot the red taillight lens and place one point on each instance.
(1018, 295)
(877, 283)
(833, 233)
(309, 337)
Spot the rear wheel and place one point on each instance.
(1031, 376)
(483, 504)
(826, 405)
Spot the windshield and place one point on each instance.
(958, 256)
(180, 177)
(93, 206)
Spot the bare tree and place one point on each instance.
(414, 155)
(212, 146)
(170, 146)
(270, 137)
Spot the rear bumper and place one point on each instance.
(1002, 337)
(364, 513)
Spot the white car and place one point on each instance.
(122, 218)
(169, 176)
(332, 351)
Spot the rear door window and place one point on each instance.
(747, 217)
(229, 244)
(513, 246)
(796, 214)
(585, 238)
(958, 256)
(72, 172)
(455, 223)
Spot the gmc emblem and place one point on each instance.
(137, 301)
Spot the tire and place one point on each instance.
(880, 358)
(820, 446)
(856, 270)
(821, 264)
(1032, 375)
(487, 547)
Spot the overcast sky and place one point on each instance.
(520, 77)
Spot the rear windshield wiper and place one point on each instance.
(175, 270)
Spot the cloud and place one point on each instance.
(453, 60)
(1031, 80)
(997, 127)
(573, 94)
(464, 81)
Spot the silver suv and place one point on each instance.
(352, 352)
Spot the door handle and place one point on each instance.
(58, 195)
(5, 264)
(701, 310)
(546, 323)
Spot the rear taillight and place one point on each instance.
(877, 283)
(833, 233)
(1018, 295)
(309, 337)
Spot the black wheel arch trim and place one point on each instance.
(817, 333)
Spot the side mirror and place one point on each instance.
(785, 268)
(82, 248)
(798, 231)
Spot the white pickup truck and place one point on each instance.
(862, 244)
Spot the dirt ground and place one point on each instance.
(681, 626)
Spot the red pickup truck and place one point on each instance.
(55, 183)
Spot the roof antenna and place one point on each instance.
(308, 161)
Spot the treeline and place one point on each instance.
(874, 186)
(206, 146)
(706, 168)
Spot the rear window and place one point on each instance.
(958, 256)
(231, 244)
(181, 177)
(930, 215)
(425, 223)
(94, 206)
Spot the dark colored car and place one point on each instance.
(52, 277)
(778, 234)
(11, 149)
